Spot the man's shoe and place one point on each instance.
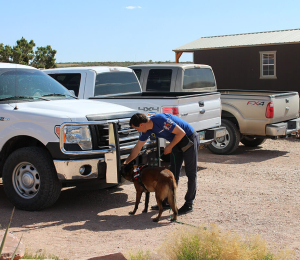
(185, 209)
(165, 206)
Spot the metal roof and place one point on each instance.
(243, 40)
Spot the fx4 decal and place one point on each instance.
(256, 103)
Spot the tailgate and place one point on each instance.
(286, 106)
(201, 111)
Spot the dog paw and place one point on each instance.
(145, 211)
(131, 213)
(155, 220)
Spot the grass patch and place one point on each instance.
(140, 255)
(190, 243)
(41, 255)
(213, 244)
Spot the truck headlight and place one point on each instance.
(80, 135)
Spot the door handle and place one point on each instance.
(202, 111)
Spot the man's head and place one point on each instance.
(138, 122)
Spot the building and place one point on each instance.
(264, 61)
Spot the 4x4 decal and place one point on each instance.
(256, 103)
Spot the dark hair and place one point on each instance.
(138, 119)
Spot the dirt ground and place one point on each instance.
(254, 191)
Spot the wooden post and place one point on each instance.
(177, 56)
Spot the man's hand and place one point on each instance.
(168, 149)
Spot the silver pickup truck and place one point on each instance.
(249, 116)
(120, 86)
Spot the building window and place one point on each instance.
(268, 65)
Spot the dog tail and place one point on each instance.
(172, 197)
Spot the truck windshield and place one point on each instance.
(23, 84)
(198, 78)
(116, 82)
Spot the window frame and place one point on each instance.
(262, 76)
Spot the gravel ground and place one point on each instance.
(254, 191)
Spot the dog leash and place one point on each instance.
(156, 159)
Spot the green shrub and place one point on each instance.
(213, 244)
(140, 255)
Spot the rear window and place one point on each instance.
(116, 82)
(159, 80)
(198, 78)
(69, 80)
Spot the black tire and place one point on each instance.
(30, 180)
(229, 143)
(252, 141)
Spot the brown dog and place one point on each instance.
(152, 179)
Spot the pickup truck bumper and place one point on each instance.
(100, 168)
(106, 162)
(283, 128)
(211, 134)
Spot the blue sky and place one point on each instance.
(136, 30)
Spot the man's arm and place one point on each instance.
(135, 151)
(179, 134)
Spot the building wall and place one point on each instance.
(239, 68)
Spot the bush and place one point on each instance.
(214, 244)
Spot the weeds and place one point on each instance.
(5, 235)
(140, 255)
(213, 244)
(41, 256)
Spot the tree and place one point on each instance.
(44, 58)
(23, 52)
(5, 53)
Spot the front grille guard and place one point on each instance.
(113, 145)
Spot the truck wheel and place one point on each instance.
(229, 143)
(252, 141)
(30, 180)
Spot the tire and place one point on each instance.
(229, 143)
(30, 180)
(252, 141)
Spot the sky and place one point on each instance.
(136, 30)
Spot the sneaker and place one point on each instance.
(164, 204)
(185, 209)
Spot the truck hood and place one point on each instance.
(72, 109)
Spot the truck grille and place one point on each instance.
(127, 136)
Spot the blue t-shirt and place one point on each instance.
(163, 125)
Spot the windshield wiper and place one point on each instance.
(57, 95)
(16, 97)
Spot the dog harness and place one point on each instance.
(137, 176)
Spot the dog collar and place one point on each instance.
(137, 176)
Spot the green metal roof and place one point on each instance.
(243, 40)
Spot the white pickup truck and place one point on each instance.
(250, 116)
(49, 139)
(120, 86)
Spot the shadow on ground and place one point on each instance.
(241, 156)
(82, 209)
